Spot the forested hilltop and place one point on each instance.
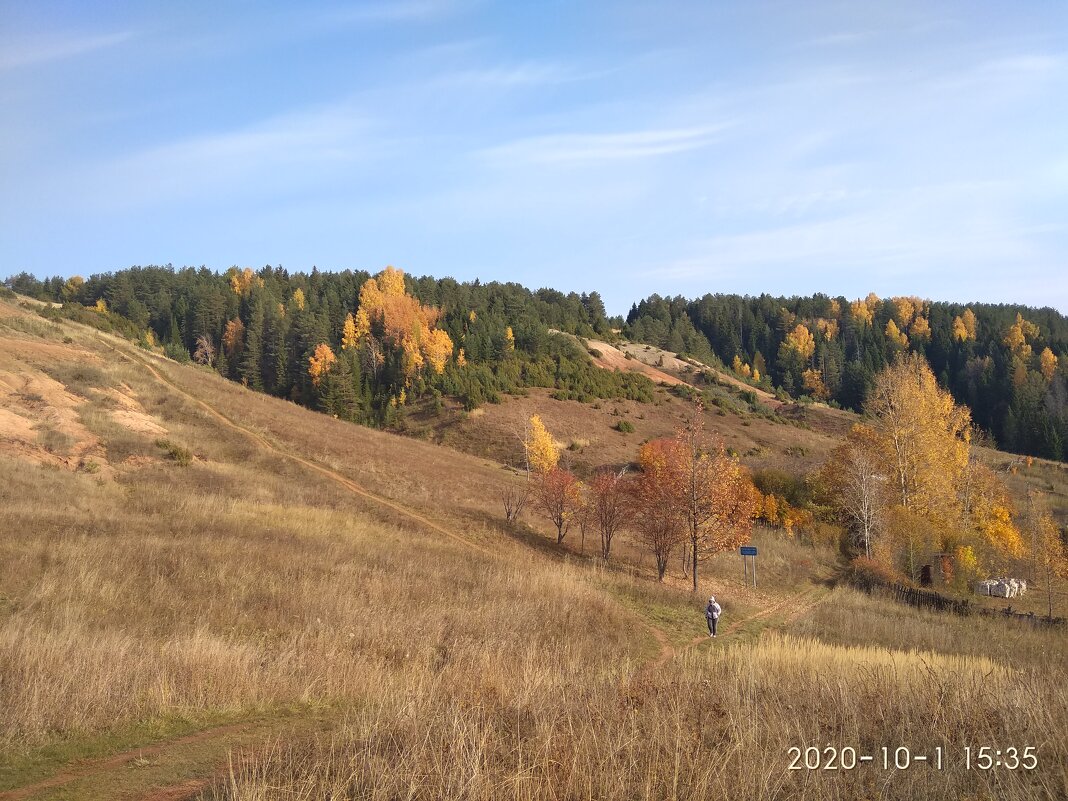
(356, 346)
(1006, 362)
(364, 348)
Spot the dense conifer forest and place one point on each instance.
(1006, 362)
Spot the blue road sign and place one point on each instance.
(749, 550)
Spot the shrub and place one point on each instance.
(176, 352)
(869, 573)
(181, 456)
(786, 485)
(624, 427)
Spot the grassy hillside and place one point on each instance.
(209, 592)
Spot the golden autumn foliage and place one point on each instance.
(769, 511)
(509, 340)
(321, 362)
(1047, 363)
(241, 280)
(362, 326)
(741, 368)
(895, 335)
(860, 312)
(904, 310)
(960, 332)
(1051, 554)
(234, 336)
(920, 330)
(967, 564)
(298, 298)
(964, 327)
(349, 340)
(812, 380)
(461, 358)
(968, 318)
(829, 328)
(924, 433)
(391, 281)
(388, 313)
(909, 486)
(438, 349)
(1000, 532)
(800, 342)
(101, 306)
(542, 453)
(1017, 335)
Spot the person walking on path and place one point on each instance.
(712, 613)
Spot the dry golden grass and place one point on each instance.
(852, 618)
(175, 602)
(716, 724)
(246, 583)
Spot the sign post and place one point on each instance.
(747, 551)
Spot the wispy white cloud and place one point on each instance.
(528, 74)
(591, 148)
(57, 47)
(842, 39)
(950, 230)
(276, 153)
(1022, 64)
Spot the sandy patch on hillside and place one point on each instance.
(612, 358)
(137, 421)
(130, 414)
(655, 363)
(650, 354)
(14, 426)
(39, 421)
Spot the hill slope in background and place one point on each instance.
(1007, 363)
(419, 338)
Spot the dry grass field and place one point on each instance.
(208, 593)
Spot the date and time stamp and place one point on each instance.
(979, 758)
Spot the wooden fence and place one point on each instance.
(927, 599)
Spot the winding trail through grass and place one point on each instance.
(333, 475)
(154, 771)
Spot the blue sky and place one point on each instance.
(627, 147)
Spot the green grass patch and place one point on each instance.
(19, 768)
